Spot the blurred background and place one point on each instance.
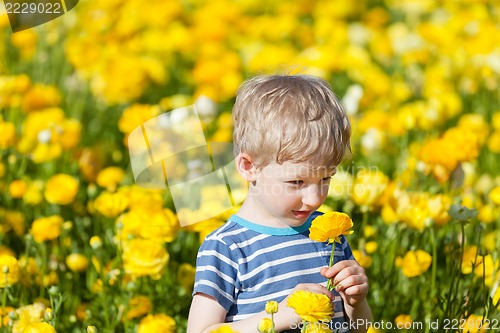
(84, 248)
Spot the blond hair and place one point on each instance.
(295, 118)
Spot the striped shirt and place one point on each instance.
(243, 265)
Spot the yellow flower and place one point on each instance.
(46, 228)
(310, 306)
(138, 307)
(371, 247)
(488, 270)
(487, 214)
(341, 186)
(266, 325)
(4, 250)
(414, 263)
(95, 242)
(143, 257)
(4, 315)
(61, 189)
(33, 195)
(371, 329)
(438, 206)
(403, 321)
(223, 329)
(362, 258)
(495, 195)
(368, 188)
(39, 328)
(160, 225)
(136, 115)
(496, 298)
(7, 134)
(271, 307)
(159, 323)
(470, 259)
(330, 226)
(494, 142)
(77, 262)
(28, 314)
(17, 188)
(41, 97)
(185, 275)
(111, 204)
(110, 177)
(474, 324)
(9, 270)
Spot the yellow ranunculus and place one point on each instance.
(77, 262)
(185, 275)
(39, 328)
(159, 323)
(40, 97)
(143, 257)
(271, 307)
(265, 326)
(330, 226)
(414, 263)
(7, 134)
(487, 270)
(496, 298)
(46, 228)
(310, 306)
(470, 259)
(17, 188)
(474, 324)
(139, 306)
(9, 270)
(61, 189)
(403, 321)
(495, 195)
(494, 142)
(369, 187)
(110, 177)
(111, 204)
(28, 315)
(362, 258)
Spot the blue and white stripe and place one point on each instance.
(243, 265)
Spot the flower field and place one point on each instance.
(84, 248)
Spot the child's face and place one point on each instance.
(288, 193)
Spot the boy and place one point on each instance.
(290, 134)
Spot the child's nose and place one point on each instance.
(312, 196)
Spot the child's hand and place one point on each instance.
(350, 280)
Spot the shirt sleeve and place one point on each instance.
(346, 249)
(216, 272)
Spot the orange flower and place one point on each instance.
(330, 226)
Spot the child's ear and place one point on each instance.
(245, 166)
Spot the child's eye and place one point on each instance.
(296, 182)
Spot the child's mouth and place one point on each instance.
(301, 213)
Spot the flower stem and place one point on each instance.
(304, 327)
(330, 285)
